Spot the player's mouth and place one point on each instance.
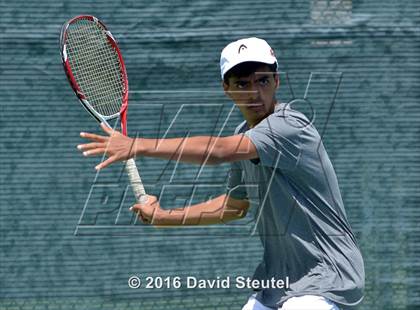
(255, 106)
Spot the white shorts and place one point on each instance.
(306, 302)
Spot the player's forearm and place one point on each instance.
(197, 150)
(214, 211)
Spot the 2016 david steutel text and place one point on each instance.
(192, 282)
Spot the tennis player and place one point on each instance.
(302, 221)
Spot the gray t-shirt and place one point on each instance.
(299, 212)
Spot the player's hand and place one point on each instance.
(150, 211)
(115, 145)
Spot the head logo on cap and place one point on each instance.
(241, 48)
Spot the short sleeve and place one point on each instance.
(236, 185)
(277, 141)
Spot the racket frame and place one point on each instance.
(67, 68)
(130, 165)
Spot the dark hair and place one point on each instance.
(247, 68)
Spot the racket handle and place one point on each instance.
(135, 180)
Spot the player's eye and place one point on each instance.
(264, 81)
(241, 84)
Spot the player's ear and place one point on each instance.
(226, 89)
(277, 80)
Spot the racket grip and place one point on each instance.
(135, 181)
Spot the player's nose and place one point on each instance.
(253, 92)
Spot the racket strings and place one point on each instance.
(107, 100)
(96, 66)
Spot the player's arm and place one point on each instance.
(198, 150)
(219, 210)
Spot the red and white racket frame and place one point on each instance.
(130, 165)
(67, 68)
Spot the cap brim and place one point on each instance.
(231, 66)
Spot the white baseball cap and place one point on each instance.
(249, 49)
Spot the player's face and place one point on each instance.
(254, 94)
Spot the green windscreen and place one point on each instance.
(67, 239)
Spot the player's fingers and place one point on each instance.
(90, 146)
(146, 202)
(137, 209)
(105, 163)
(143, 217)
(96, 151)
(144, 209)
(93, 137)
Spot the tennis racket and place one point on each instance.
(95, 69)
